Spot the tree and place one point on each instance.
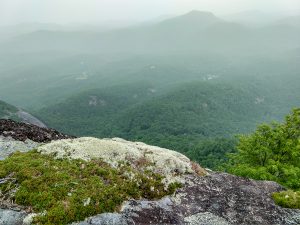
(272, 152)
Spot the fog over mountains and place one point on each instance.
(176, 80)
(39, 58)
(193, 31)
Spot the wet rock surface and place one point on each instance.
(24, 131)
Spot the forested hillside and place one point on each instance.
(199, 119)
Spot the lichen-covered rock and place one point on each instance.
(8, 145)
(10, 217)
(169, 164)
(105, 219)
(205, 218)
(15, 136)
(24, 131)
(216, 199)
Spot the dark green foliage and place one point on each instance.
(73, 190)
(272, 152)
(206, 109)
(212, 152)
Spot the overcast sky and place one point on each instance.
(98, 11)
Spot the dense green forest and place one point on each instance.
(199, 119)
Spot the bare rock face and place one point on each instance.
(8, 145)
(24, 131)
(10, 217)
(8, 111)
(15, 136)
(215, 199)
(28, 118)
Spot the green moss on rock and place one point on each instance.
(287, 199)
(63, 191)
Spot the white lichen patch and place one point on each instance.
(166, 162)
(29, 219)
(205, 218)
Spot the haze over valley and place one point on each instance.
(177, 80)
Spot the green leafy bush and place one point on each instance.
(71, 190)
(272, 152)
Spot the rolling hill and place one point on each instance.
(189, 117)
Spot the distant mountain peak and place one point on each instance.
(194, 17)
(199, 13)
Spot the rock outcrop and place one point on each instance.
(213, 199)
(15, 136)
(10, 217)
(169, 164)
(8, 145)
(24, 131)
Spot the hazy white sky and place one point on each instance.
(97, 11)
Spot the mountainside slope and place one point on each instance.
(181, 118)
(205, 109)
(8, 111)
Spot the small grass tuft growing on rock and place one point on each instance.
(63, 191)
(287, 199)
